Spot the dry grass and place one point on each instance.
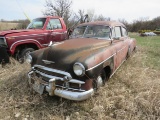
(133, 93)
(7, 26)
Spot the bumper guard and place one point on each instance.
(71, 95)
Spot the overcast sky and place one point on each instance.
(115, 9)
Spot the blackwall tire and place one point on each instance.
(23, 54)
(100, 80)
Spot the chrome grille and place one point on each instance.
(48, 73)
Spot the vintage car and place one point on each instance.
(74, 69)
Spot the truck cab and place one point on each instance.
(39, 33)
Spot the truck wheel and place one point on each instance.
(100, 81)
(23, 54)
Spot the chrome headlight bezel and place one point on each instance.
(29, 59)
(79, 69)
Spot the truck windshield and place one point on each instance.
(93, 31)
(37, 23)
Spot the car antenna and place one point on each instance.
(23, 11)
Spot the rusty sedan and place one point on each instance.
(74, 69)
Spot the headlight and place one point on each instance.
(29, 59)
(79, 69)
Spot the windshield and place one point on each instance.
(37, 23)
(95, 31)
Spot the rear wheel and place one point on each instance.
(135, 49)
(22, 56)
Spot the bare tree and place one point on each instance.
(101, 18)
(81, 14)
(59, 8)
(80, 17)
(91, 14)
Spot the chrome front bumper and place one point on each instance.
(78, 96)
(52, 89)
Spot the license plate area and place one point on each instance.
(37, 84)
(38, 88)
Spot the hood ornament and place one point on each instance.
(47, 62)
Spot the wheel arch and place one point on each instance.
(19, 45)
(107, 65)
(108, 71)
(28, 45)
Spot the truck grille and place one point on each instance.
(3, 42)
(46, 74)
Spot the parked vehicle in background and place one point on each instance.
(148, 34)
(74, 69)
(38, 35)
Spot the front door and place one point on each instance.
(56, 33)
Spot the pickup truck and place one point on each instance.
(39, 33)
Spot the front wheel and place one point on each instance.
(23, 54)
(100, 80)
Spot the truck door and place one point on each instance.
(56, 33)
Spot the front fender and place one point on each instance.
(26, 41)
(95, 70)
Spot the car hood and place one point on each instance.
(65, 54)
(9, 32)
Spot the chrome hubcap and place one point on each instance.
(99, 82)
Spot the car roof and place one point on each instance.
(106, 23)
